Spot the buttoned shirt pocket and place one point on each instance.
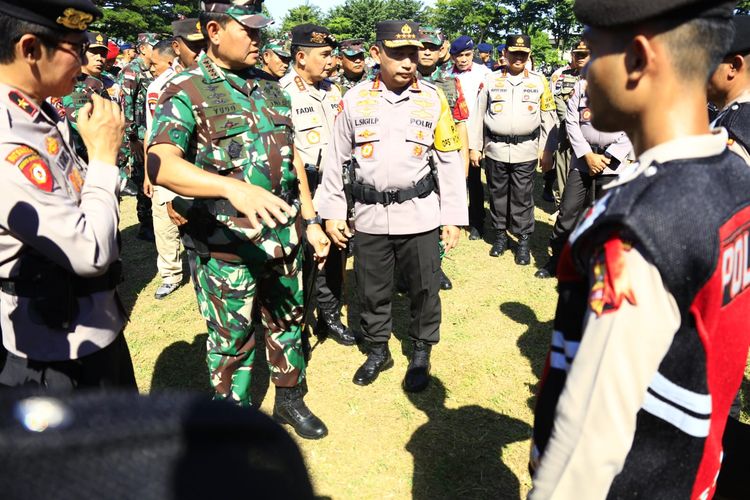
(229, 149)
(419, 140)
(531, 96)
(498, 99)
(310, 131)
(366, 140)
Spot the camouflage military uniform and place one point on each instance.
(562, 88)
(344, 83)
(238, 125)
(134, 80)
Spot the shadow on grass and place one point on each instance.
(533, 343)
(139, 266)
(458, 452)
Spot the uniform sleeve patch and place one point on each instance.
(20, 153)
(36, 170)
(611, 280)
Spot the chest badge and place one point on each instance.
(586, 115)
(53, 147)
(367, 150)
(234, 150)
(313, 137)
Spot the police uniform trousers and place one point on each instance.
(581, 190)
(167, 235)
(375, 260)
(511, 187)
(476, 198)
(107, 368)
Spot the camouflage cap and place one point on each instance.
(279, 47)
(189, 29)
(148, 39)
(246, 12)
(428, 34)
(97, 40)
(352, 47)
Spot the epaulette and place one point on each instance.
(737, 122)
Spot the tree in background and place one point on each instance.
(124, 19)
(303, 14)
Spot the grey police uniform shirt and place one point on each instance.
(583, 135)
(53, 205)
(391, 135)
(313, 113)
(513, 105)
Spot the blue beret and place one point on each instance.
(126, 46)
(484, 47)
(461, 43)
(500, 47)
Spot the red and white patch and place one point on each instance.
(35, 170)
(611, 281)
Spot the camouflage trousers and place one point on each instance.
(230, 296)
(562, 167)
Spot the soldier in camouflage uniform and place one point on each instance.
(352, 53)
(90, 82)
(562, 88)
(134, 80)
(276, 57)
(236, 129)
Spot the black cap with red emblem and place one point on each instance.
(63, 15)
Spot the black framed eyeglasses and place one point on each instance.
(77, 48)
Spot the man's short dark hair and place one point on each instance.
(165, 47)
(698, 46)
(12, 29)
(300, 48)
(206, 17)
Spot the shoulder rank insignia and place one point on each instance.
(300, 84)
(23, 103)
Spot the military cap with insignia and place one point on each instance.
(279, 47)
(97, 40)
(428, 34)
(611, 13)
(398, 33)
(518, 43)
(352, 47)
(248, 13)
(312, 35)
(741, 43)
(188, 29)
(581, 46)
(63, 15)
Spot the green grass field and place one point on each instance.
(467, 436)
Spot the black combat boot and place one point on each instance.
(548, 270)
(290, 408)
(549, 181)
(418, 373)
(445, 282)
(378, 359)
(474, 233)
(500, 244)
(330, 326)
(523, 254)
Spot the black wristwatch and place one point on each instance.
(315, 220)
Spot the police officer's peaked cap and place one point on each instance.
(484, 47)
(398, 33)
(248, 13)
(581, 46)
(464, 42)
(312, 35)
(741, 43)
(610, 13)
(97, 40)
(518, 43)
(352, 47)
(188, 29)
(63, 15)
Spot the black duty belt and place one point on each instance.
(368, 195)
(222, 206)
(515, 139)
(80, 286)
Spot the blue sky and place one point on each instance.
(278, 8)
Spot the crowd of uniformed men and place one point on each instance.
(264, 162)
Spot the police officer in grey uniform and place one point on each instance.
(515, 114)
(597, 158)
(396, 126)
(315, 103)
(61, 318)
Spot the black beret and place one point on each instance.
(189, 29)
(610, 13)
(64, 15)
(741, 43)
(312, 35)
(97, 40)
(398, 33)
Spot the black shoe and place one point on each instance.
(474, 234)
(128, 189)
(445, 282)
(548, 271)
(417, 376)
(378, 359)
(291, 409)
(547, 194)
(500, 244)
(330, 326)
(146, 233)
(523, 254)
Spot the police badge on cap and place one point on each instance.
(398, 33)
(188, 29)
(97, 40)
(518, 43)
(63, 15)
(312, 35)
